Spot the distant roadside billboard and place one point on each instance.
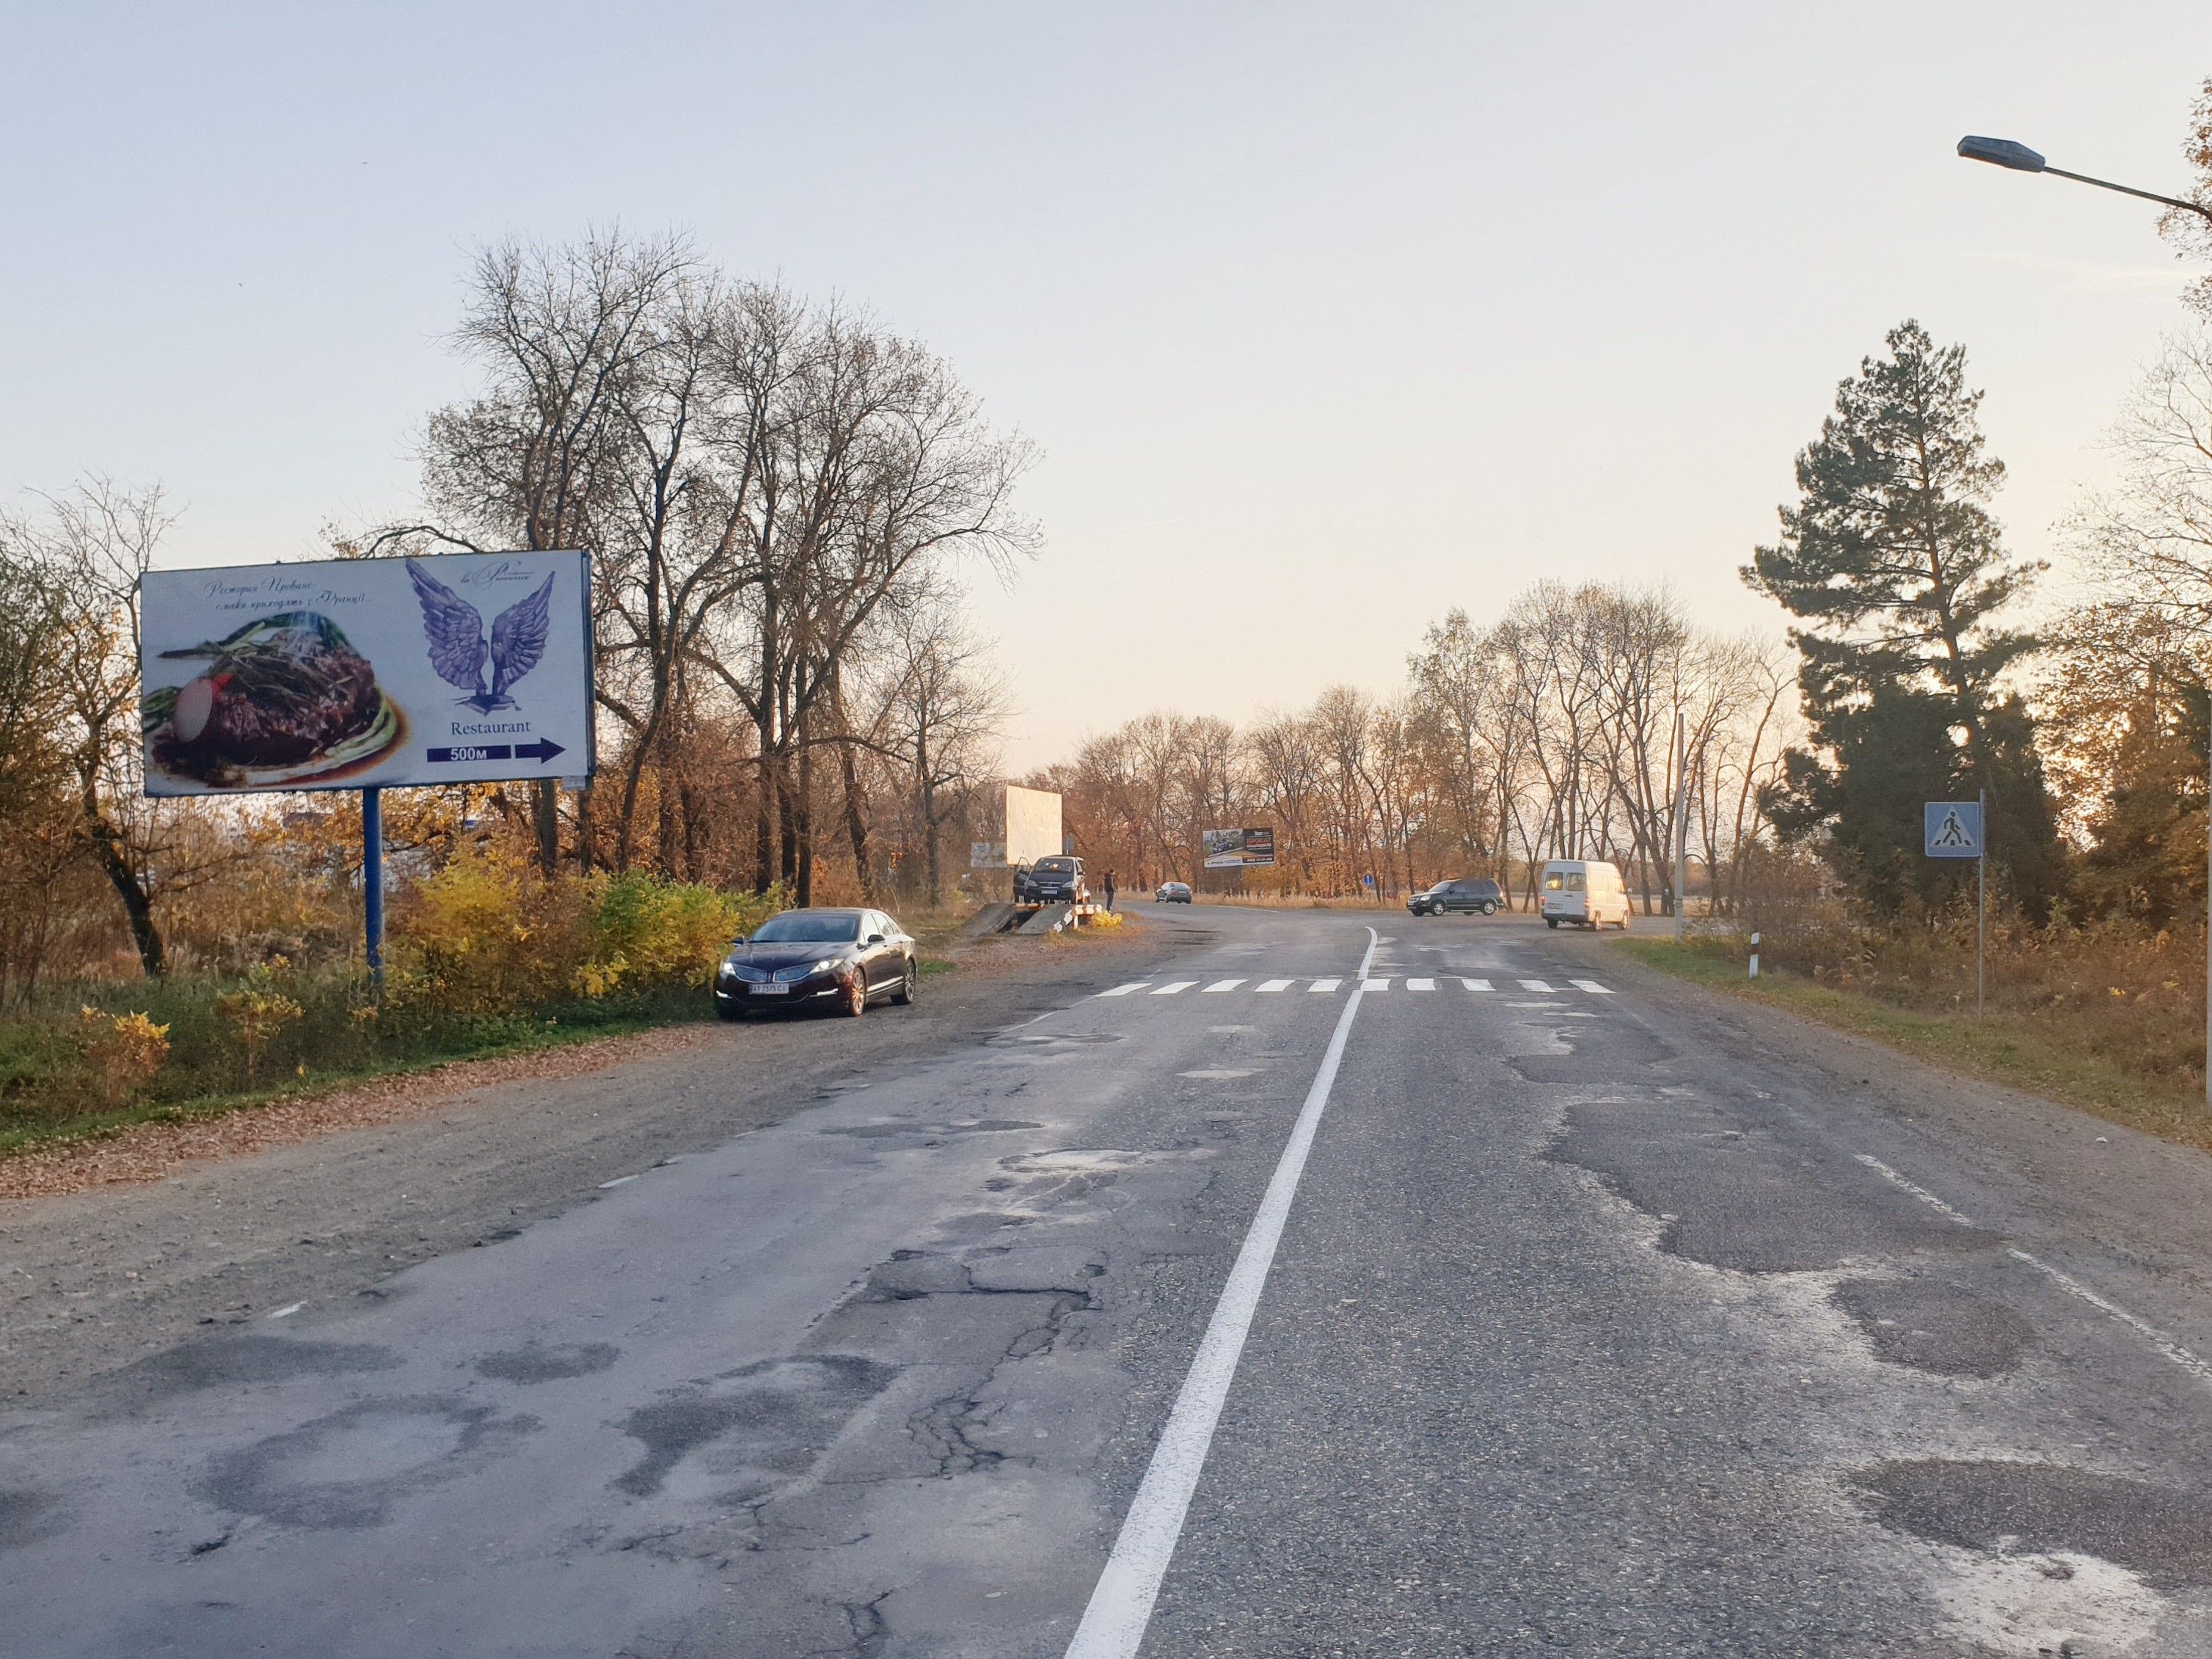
(1032, 825)
(366, 673)
(1237, 849)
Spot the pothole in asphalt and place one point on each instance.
(974, 1126)
(1020, 1039)
(2010, 1508)
(347, 1469)
(765, 1424)
(27, 1517)
(219, 1362)
(1935, 1327)
(538, 1362)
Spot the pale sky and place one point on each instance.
(1326, 318)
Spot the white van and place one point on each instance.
(1586, 894)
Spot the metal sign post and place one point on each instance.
(1954, 830)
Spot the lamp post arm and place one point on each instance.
(2124, 190)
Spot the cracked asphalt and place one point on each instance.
(1605, 1322)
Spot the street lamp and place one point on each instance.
(2004, 153)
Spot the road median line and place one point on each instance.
(1121, 1606)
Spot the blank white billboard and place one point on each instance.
(1032, 825)
(366, 673)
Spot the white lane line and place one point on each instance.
(2142, 1328)
(1535, 985)
(1121, 1605)
(1366, 984)
(1421, 985)
(1274, 985)
(286, 1313)
(1476, 984)
(618, 1181)
(1222, 985)
(1920, 1193)
(1124, 990)
(1328, 984)
(1172, 987)
(1591, 986)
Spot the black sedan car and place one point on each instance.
(1457, 893)
(843, 959)
(1172, 892)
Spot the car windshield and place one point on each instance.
(1054, 866)
(809, 927)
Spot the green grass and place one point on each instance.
(45, 1097)
(2026, 1050)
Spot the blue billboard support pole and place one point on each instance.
(372, 881)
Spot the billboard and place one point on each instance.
(366, 673)
(1237, 849)
(1032, 825)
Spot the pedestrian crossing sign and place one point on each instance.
(1953, 829)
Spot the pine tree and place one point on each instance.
(1897, 572)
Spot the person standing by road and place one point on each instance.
(1109, 892)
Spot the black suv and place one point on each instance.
(1051, 881)
(1483, 896)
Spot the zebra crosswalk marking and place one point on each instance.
(1323, 987)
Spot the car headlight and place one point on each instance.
(828, 965)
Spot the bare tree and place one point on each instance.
(90, 547)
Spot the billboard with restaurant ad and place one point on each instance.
(1237, 849)
(366, 673)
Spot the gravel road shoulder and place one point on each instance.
(175, 1227)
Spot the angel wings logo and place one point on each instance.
(455, 634)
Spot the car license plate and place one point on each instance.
(771, 990)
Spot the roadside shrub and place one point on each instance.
(651, 932)
(258, 1013)
(121, 1053)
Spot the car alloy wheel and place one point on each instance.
(856, 996)
(904, 996)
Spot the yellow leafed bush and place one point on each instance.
(123, 1053)
(258, 1013)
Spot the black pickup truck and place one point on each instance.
(1051, 881)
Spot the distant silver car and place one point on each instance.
(1172, 892)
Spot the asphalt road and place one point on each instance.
(1599, 1321)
